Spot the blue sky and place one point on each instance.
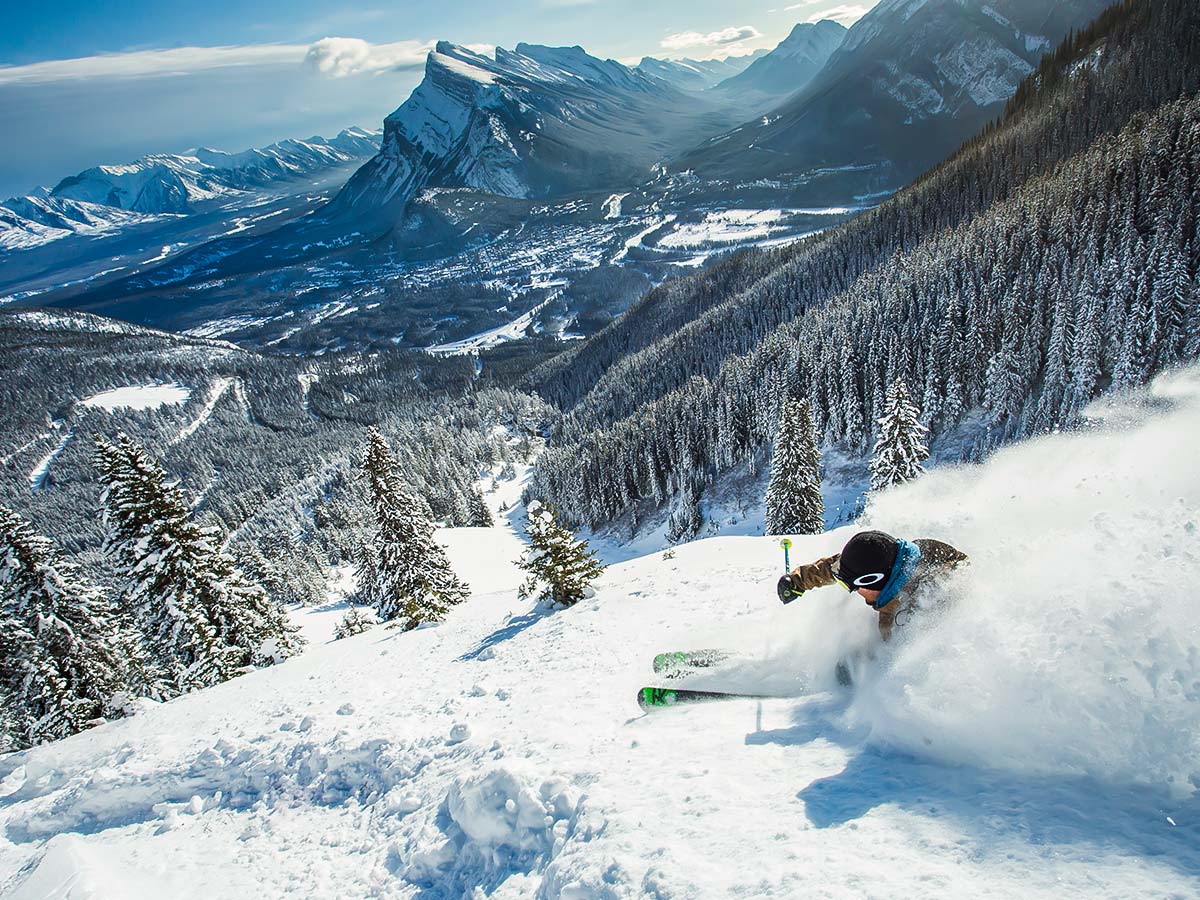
(83, 83)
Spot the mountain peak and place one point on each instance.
(787, 68)
(547, 120)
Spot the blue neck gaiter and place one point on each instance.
(907, 557)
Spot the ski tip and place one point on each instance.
(651, 697)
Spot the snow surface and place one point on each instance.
(510, 331)
(144, 396)
(1038, 739)
(637, 239)
(37, 478)
(987, 71)
(726, 226)
(612, 206)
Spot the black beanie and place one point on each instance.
(867, 560)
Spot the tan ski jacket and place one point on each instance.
(937, 559)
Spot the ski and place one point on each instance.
(679, 663)
(652, 697)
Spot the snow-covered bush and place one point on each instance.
(355, 621)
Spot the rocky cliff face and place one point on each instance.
(528, 123)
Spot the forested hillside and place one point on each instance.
(1055, 256)
(265, 448)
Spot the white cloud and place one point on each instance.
(336, 57)
(150, 63)
(846, 13)
(734, 34)
(341, 56)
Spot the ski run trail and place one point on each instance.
(1039, 738)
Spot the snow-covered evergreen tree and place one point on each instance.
(356, 620)
(366, 575)
(413, 581)
(201, 619)
(561, 567)
(794, 503)
(480, 516)
(900, 449)
(688, 518)
(60, 660)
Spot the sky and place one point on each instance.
(107, 81)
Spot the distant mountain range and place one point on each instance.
(909, 82)
(507, 177)
(104, 198)
(698, 74)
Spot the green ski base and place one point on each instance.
(654, 697)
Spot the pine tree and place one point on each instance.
(900, 449)
(201, 619)
(60, 661)
(561, 567)
(366, 575)
(479, 514)
(794, 502)
(688, 518)
(413, 582)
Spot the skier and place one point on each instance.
(887, 572)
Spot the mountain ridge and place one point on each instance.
(110, 196)
(786, 69)
(910, 82)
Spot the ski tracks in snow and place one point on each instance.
(220, 386)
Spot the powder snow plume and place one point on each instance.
(1073, 645)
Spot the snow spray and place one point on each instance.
(1070, 643)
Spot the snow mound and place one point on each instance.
(491, 827)
(1072, 646)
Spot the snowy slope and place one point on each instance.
(1038, 740)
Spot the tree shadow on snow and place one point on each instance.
(994, 809)
(510, 629)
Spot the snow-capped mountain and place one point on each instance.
(789, 67)
(527, 123)
(698, 74)
(104, 198)
(38, 219)
(911, 80)
(165, 183)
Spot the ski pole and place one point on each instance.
(786, 545)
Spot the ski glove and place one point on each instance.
(788, 590)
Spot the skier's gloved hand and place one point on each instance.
(787, 590)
